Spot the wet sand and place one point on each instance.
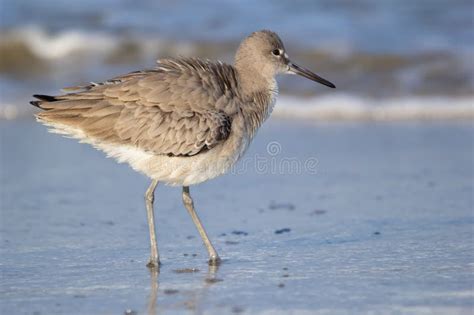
(317, 219)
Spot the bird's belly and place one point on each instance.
(183, 170)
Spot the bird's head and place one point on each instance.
(263, 53)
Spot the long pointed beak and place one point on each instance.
(295, 69)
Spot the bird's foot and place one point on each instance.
(214, 261)
(154, 263)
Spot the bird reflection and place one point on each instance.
(151, 308)
(193, 301)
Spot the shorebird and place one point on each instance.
(184, 122)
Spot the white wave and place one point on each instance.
(63, 44)
(349, 107)
(90, 45)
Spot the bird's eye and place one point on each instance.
(276, 52)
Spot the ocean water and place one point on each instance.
(374, 50)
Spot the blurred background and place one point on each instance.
(413, 59)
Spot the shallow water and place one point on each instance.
(380, 219)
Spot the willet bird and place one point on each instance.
(184, 122)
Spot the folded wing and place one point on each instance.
(176, 109)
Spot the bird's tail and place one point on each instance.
(43, 99)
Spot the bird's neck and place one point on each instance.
(260, 95)
(252, 79)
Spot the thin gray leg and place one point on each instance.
(188, 203)
(149, 198)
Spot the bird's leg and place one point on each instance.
(149, 198)
(188, 203)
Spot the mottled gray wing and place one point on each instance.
(181, 108)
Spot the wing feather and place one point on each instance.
(179, 108)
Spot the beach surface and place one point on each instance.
(318, 218)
